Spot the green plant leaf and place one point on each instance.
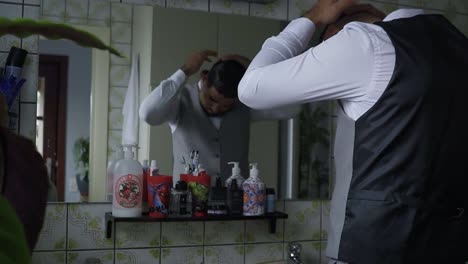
(25, 27)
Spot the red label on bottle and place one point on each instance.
(128, 191)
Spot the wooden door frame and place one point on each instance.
(62, 62)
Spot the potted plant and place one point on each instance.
(81, 158)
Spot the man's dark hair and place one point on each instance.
(225, 76)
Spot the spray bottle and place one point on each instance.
(128, 186)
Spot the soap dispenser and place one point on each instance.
(110, 173)
(254, 193)
(236, 174)
(128, 186)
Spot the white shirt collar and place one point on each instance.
(403, 13)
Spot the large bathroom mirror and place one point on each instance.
(294, 155)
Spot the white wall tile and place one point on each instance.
(99, 10)
(276, 10)
(115, 118)
(125, 50)
(121, 32)
(182, 234)
(50, 257)
(130, 235)
(53, 8)
(303, 221)
(121, 12)
(53, 232)
(297, 8)
(134, 256)
(186, 255)
(79, 257)
(258, 253)
(201, 5)
(146, 2)
(229, 7)
(224, 254)
(32, 2)
(77, 9)
(117, 97)
(86, 227)
(119, 75)
(225, 232)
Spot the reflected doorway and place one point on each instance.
(51, 114)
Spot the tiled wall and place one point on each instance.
(73, 233)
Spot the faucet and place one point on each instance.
(294, 253)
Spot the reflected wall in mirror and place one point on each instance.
(63, 116)
(153, 33)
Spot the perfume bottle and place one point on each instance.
(181, 201)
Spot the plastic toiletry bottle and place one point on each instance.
(128, 186)
(235, 199)
(154, 170)
(181, 201)
(254, 193)
(110, 173)
(236, 174)
(270, 201)
(144, 165)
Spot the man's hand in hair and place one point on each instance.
(195, 61)
(325, 12)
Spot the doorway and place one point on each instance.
(51, 117)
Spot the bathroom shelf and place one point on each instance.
(271, 217)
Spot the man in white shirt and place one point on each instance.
(401, 84)
(207, 116)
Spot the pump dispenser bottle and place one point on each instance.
(254, 193)
(128, 186)
(236, 174)
(110, 173)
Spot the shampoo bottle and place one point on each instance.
(128, 186)
(254, 193)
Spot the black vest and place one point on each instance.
(410, 164)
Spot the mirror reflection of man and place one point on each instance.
(207, 116)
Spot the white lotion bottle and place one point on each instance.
(128, 186)
(236, 174)
(110, 173)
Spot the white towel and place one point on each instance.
(131, 105)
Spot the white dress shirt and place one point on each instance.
(162, 105)
(354, 66)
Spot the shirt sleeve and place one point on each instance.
(282, 74)
(162, 104)
(281, 113)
